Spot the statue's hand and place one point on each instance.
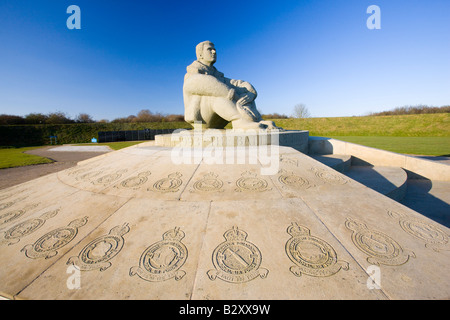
(246, 98)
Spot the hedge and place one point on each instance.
(38, 135)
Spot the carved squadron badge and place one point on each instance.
(250, 181)
(15, 214)
(292, 180)
(47, 245)
(164, 259)
(98, 253)
(311, 255)
(434, 237)
(330, 176)
(136, 181)
(20, 230)
(209, 183)
(380, 248)
(109, 178)
(237, 260)
(170, 184)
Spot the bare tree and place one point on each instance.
(58, 117)
(84, 118)
(301, 111)
(148, 116)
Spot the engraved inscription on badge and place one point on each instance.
(14, 234)
(15, 214)
(170, 184)
(380, 248)
(250, 181)
(290, 179)
(236, 260)
(434, 237)
(209, 183)
(330, 176)
(311, 255)
(48, 245)
(97, 254)
(135, 182)
(164, 259)
(109, 178)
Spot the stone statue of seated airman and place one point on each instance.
(214, 100)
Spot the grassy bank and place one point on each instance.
(422, 125)
(422, 134)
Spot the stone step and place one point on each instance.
(339, 162)
(389, 181)
(430, 198)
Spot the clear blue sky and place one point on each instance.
(132, 55)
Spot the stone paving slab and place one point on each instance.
(135, 229)
(270, 234)
(213, 231)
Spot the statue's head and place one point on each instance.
(206, 52)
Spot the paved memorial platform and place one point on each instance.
(138, 226)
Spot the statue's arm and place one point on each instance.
(206, 85)
(242, 84)
(245, 96)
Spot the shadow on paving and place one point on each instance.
(423, 196)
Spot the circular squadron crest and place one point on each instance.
(292, 180)
(109, 178)
(47, 245)
(22, 229)
(380, 248)
(15, 214)
(164, 259)
(434, 237)
(330, 176)
(170, 184)
(237, 260)
(136, 181)
(250, 181)
(98, 253)
(209, 183)
(311, 255)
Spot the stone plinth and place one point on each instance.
(234, 138)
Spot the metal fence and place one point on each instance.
(132, 135)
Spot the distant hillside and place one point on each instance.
(421, 125)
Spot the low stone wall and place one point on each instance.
(416, 167)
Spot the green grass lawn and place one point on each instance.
(430, 146)
(420, 125)
(15, 157)
(422, 134)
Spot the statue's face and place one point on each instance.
(209, 54)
